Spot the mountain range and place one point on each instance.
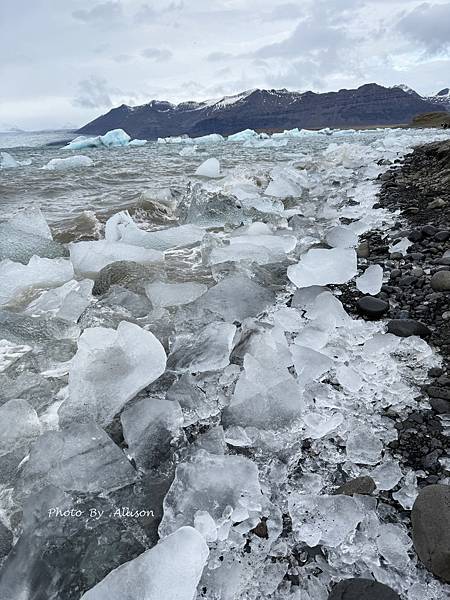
(368, 105)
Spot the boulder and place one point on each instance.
(440, 282)
(408, 327)
(431, 529)
(362, 589)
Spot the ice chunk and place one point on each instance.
(387, 475)
(137, 142)
(243, 136)
(174, 294)
(65, 302)
(121, 228)
(210, 168)
(149, 428)
(212, 138)
(324, 520)
(115, 137)
(31, 221)
(264, 397)
(364, 446)
(109, 368)
(320, 267)
(318, 425)
(277, 244)
(82, 457)
(170, 570)
(341, 237)
(17, 279)
(304, 297)
(89, 258)
(407, 494)
(309, 364)
(188, 151)
(73, 162)
(234, 299)
(10, 352)
(208, 350)
(286, 182)
(240, 252)
(226, 487)
(349, 378)
(20, 425)
(401, 247)
(7, 161)
(81, 142)
(371, 280)
(393, 544)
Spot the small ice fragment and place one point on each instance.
(363, 446)
(324, 519)
(243, 136)
(318, 425)
(137, 142)
(174, 294)
(400, 247)
(349, 378)
(320, 267)
(65, 302)
(10, 352)
(7, 161)
(371, 280)
(408, 493)
(210, 168)
(73, 162)
(341, 237)
(387, 475)
(170, 570)
(205, 524)
(309, 364)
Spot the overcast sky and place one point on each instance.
(64, 62)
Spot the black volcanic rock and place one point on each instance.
(370, 104)
(362, 589)
(374, 308)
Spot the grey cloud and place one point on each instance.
(148, 13)
(218, 56)
(106, 11)
(94, 93)
(157, 54)
(428, 24)
(286, 11)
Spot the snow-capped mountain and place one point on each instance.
(370, 104)
(442, 98)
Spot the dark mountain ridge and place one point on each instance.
(368, 105)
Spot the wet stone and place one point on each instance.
(360, 485)
(408, 327)
(362, 589)
(373, 308)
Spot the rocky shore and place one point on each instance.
(415, 298)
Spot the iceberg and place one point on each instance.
(170, 570)
(137, 142)
(16, 279)
(321, 267)
(243, 136)
(109, 369)
(115, 137)
(371, 280)
(7, 161)
(212, 138)
(89, 258)
(73, 162)
(210, 168)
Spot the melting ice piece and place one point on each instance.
(73, 162)
(121, 228)
(387, 475)
(174, 294)
(349, 378)
(208, 350)
(264, 398)
(318, 425)
(7, 161)
(189, 151)
(371, 280)
(304, 297)
(10, 352)
(401, 246)
(31, 221)
(225, 486)
(408, 493)
(170, 570)
(89, 258)
(234, 299)
(20, 423)
(149, 427)
(16, 279)
(278, 244)
(309, 364)
(324, 520)
(137, 142)
(109, 369)
(243, 136)
(341, 237)
(393, 544)
(320, 267)
(81, 457)
(65, 302)
(286, 182)
(364, 447)
(210, 168)
(115, 137)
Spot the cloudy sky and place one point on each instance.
(64, 62)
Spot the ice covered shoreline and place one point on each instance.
(207, 384)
